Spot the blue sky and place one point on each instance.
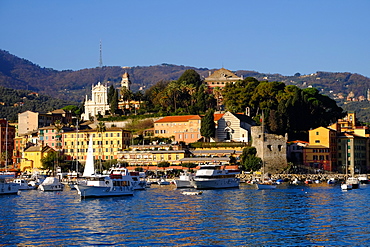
(272, 36)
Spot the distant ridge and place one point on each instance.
(18, 73)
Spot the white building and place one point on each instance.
(98, 103)
(234, 127)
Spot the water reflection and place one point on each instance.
(164, 216)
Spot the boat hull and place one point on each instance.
(102, 191)
(9, 188)
(266, 186)
(218, 183)
(183, 184)
(346, 186)
(50, 187)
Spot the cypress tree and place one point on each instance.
(208, 126)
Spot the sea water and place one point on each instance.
(317, 215)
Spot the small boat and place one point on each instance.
(105, 186)
(266, 186)
(192, 193)
(7, 187)
(345, 186)
(363, 179)
(185, 180)
(331, 181)
(354, 182)
(214, 177)
(308, 181)
(136, 179)
(24, 184)
(51, 184)
(163, 181)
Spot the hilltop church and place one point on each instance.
(98, 104)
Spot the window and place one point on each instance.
(317, 141)
(317, 133)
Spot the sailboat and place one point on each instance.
(350, 182)
(265, 184)
(97, 185)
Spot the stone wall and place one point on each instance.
(271, 149)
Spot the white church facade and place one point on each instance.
(98, 104)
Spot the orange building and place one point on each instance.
(180, 128)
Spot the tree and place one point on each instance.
(114, 103)
(190, 77)
(164, 164)
(111, 92)
(249, 161)
(208, 126)
(48, 162)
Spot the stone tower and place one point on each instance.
(271, 149)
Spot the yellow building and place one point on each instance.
(152, 157)
(106, 145)
(321, 153)
(32, 156)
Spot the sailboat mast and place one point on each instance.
(6, 146)
(77, 147)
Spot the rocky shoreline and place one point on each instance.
(298, 177)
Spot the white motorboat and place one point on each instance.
(185, 180)
(163, 181)
(213, 177)
(51, 184)
(105, 186)
(345, 186)
(7, 187)
(136, 179)
(24, 184)
(363, 179)
(192, 193)
(266, 186)
(354, 182)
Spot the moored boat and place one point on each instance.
(51, 184)
(6, 186)
(136, 179)
(213, 177)
(185, 180)
(163, 181)
(345, 186)
(24, 184)
(105, 186)
(354, 182)
(266, 186)
(363, 179)
(192, 193)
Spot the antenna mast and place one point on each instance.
(101, 57)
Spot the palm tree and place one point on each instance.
(101, 128)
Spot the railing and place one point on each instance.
(218, 144)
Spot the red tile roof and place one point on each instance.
(218, 116)
(185, 118)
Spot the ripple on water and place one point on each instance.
(304, 216)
